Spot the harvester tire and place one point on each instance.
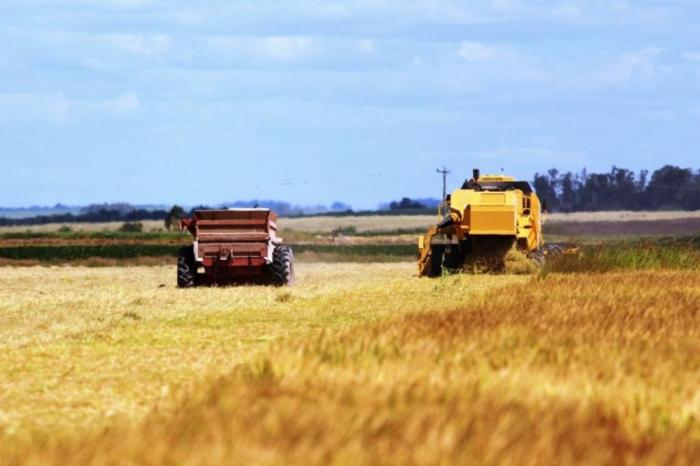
(437, 256)
(282, 267)
(453, 260)
(186, 268)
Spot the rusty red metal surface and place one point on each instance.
(232, 244)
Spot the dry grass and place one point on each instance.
(621, 216)
(411, 222)
(165, 261)
(361, 224)
(148, 225)
(83, 349)
(572, 369)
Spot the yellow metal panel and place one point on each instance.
(492, 220)
(486, 213)
(493, 198)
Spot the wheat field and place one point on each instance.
(359, 364)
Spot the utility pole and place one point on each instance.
(444, 172)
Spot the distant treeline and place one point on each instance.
(91, 216)
(669, 188)
(286, 209)
(95, 214)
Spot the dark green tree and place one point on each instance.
(546, 188)
(670, 188)
(174, 216)
(568, 192)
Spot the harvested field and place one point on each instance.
(148, 225)
(685, 226)
(622, 216)
(57, 241)
(361, 224)
(83, 349)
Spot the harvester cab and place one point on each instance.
(482, 222)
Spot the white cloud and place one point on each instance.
(692, 56)
(233, 51)
(659, 114)
(125, 104)
(640, 66)
(571, 9)
(141, 44)
(475, 51)
(284, 49)
(358, 14)
(56, 108)
(367, 45)
(511, 154)
(129, 3)
(583, 12)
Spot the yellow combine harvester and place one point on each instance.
(488, 218)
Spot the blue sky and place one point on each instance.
(311, 101)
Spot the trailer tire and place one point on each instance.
(186, 268)
(282, 267)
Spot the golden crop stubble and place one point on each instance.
(82, 348)
(579, 369)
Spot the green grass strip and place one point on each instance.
(394, 250)
(663, 253)
(132, 251)
(73, 252)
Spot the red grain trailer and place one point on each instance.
(234, 246)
